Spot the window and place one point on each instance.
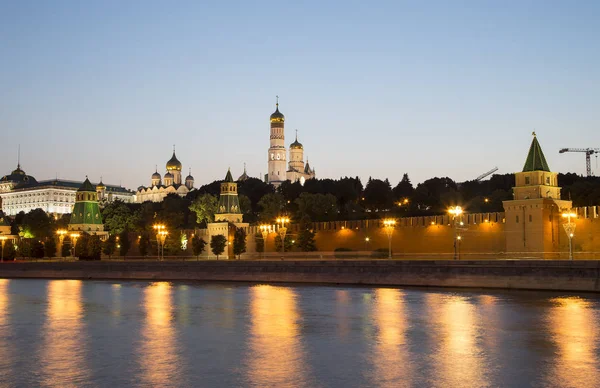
(548, 180)
(530, 218)
(517, 219)
(526, 180)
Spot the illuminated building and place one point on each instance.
(86, 216)
(22, 192)
(296, 170)
(170, 183)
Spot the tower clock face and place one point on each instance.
(272, 156)
(278, 156)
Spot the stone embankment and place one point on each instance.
(507, 274)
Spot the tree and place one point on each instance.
(50, 247)
(404, 188)
(10, 252)
(239, 242)
(378, 195)
(317, 207)
(65, 249)
(205, 207)
(35, 224)
(144, 244)
(217, 244)
(37, 249)
(118, 216)
(271, 206)
(81, 246)
(306, 240)
(124, 242)
(94, 248)
(198, 245)
(288, 243)
(110, 246)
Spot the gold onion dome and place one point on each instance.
(296, 144)
(100, 186)
(156, 175)
(173, 163)
(277, 116)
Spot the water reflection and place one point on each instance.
(159, 357)
(64, 349)
(276, 356)
(391, 360)
(459, 357)
(5, 332)
(574, 331)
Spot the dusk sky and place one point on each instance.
(379, 88)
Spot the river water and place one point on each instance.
(62, 333)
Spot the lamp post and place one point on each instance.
(282, 230)
(163, 237)
(74, 237)
(159, 229)
(61, 237)
(265, 230)
(456, 212)
(3, 239)
(388, 226)
(570, 230)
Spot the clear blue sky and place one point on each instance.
(446, 88)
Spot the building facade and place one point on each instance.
(279, 170)
(86, 216)
(170, 183)
(21, 192)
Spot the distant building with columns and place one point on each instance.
(170, 183)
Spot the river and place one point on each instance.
(61, 333)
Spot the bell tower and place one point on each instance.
(277, 152)
(532, 218)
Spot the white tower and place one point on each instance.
(277, 152)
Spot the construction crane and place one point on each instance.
(486, 174)
(588, 153)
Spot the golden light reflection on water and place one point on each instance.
(5, 348)
(574, 331)
(391, 358)
(64, 346)
(159, 358)
(276, 357)
(459, 357)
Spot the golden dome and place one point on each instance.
(173, 163)
(277, 116)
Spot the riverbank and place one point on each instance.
(505, 274)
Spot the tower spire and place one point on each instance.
(244, 167)
(296, 135)
(277, 102)
(19, 157)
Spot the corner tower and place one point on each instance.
(532, 218)
(277, 153)
(86, 215)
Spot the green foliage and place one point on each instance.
(144, 244)
(124, 242)
(37, 249)
(271, 206)
(110, 245)
(10, 252)
(260, 243)
(205, 207)
(94, 248)
(119, 216)
(198, 245)
(378, 195)
(81, 246)
(239, 242)
(35, 224)
(65, 249)
(288, 243)
(50, 247)
(218, 244)
(306, 240)
(317, 207)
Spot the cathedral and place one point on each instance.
(170, 183)
(279, 169)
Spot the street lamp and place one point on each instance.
(265, 230)
(161, 235)
(3, 239)
(388, 226)
(456, 212)
(282, 231)
(61, 237)
(570, 230)
(74, 237)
